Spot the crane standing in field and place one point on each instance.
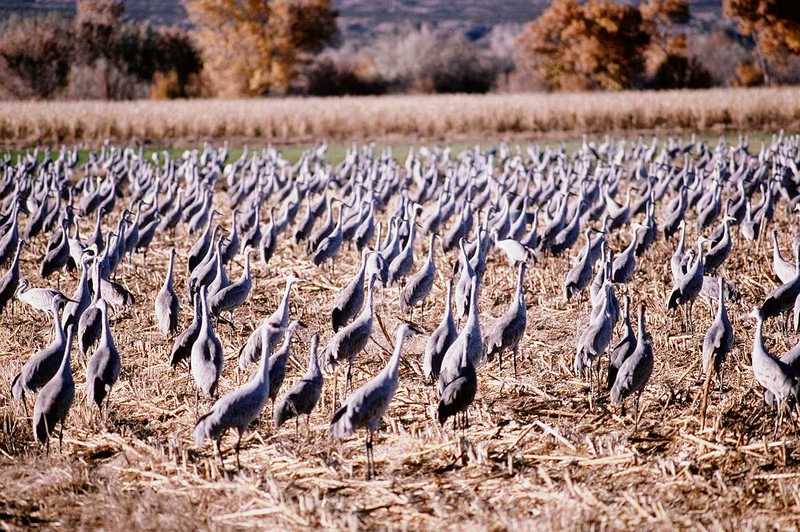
(365, 407)
(304, 395)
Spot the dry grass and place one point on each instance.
(538, 457)
(417, 117)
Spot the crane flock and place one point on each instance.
(606, 204)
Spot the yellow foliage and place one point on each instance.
(253, 47)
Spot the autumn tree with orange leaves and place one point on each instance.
(255, 47)
(774, 26)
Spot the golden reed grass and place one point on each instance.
(287, 120)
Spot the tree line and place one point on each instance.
(247, 48)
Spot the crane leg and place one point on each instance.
(349, 382)
(219, 453)
(636, 412)
(335, 378)
(516, 349)
(238, 444)
(60, 436)
(368, 449)
(25, 405)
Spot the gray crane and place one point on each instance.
(182, 346)
(580, 275)
(239, 408)
(278, 361)
(595, 339)
(275, 324)
(688, 287)
(41, 367)
(82, 297)
(90, 323)
(38, 298)
(469, 339)
(720, 251)
(104, 365)
(366, 406)
(419, 285)
(466, 273)
(719, 338)
(458, 393)
(351, 339)
(635, 372)
(10, 280)
(783, 298)
(775, 376)
(349, 300)
(783, 269)
(166, 303)
(507, 331)
(624, 348)
(624, 264)
(235, 294)
(55, 399)
(207, 354)
(304, 394)
(440, 340)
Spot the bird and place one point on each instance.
(278, 360)
(10, 280)
(624, 347)
(237, 409)
(469, 338)
(506, 332)
(182, 346)
(783, 269)
(55, 399)
(782, 298)
(775, 376)
(43, 365)
(459, 392)
(365, 407)
(348, 300)
(275, 324)
(234, 294)
(39, 298)
(686, 289)
(104, 365)
(440, 339)
(207, 355)
(635, 372)
(303, 396)
(419, 285)
(166, 303)
(719, 338)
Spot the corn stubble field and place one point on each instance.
(537, 455)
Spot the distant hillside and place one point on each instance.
(361, 17)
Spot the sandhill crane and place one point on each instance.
(55, 399)
(41, 367)
(595, 338)
(719, 338)
(182, 346)
(625, 262)
(506, 332)
(440, 340)
(365, 407)
(232, 244)
(10, 280)
(201, 248)
(775, 376)
(719, 251)
(235, 294)
(466, 273)
(688, 287)
(219, 279)
(207, 355)
(782, 298)
(351, 339)
(275, 324)
(677, 262)
(783, 269)
(104, 365)
(239, 408)
(469, 339)
(420, 283)
(166, 303)
(459, 392)
(349, 300)
(624, 348)
(38, 298)
(278, 361)
(303, 395)
(635, 372)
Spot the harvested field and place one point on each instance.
(420, 118)
(537, 453)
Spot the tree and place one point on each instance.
(599, 44)
(253, 47)
(774, 26)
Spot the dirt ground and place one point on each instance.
(537, 455)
